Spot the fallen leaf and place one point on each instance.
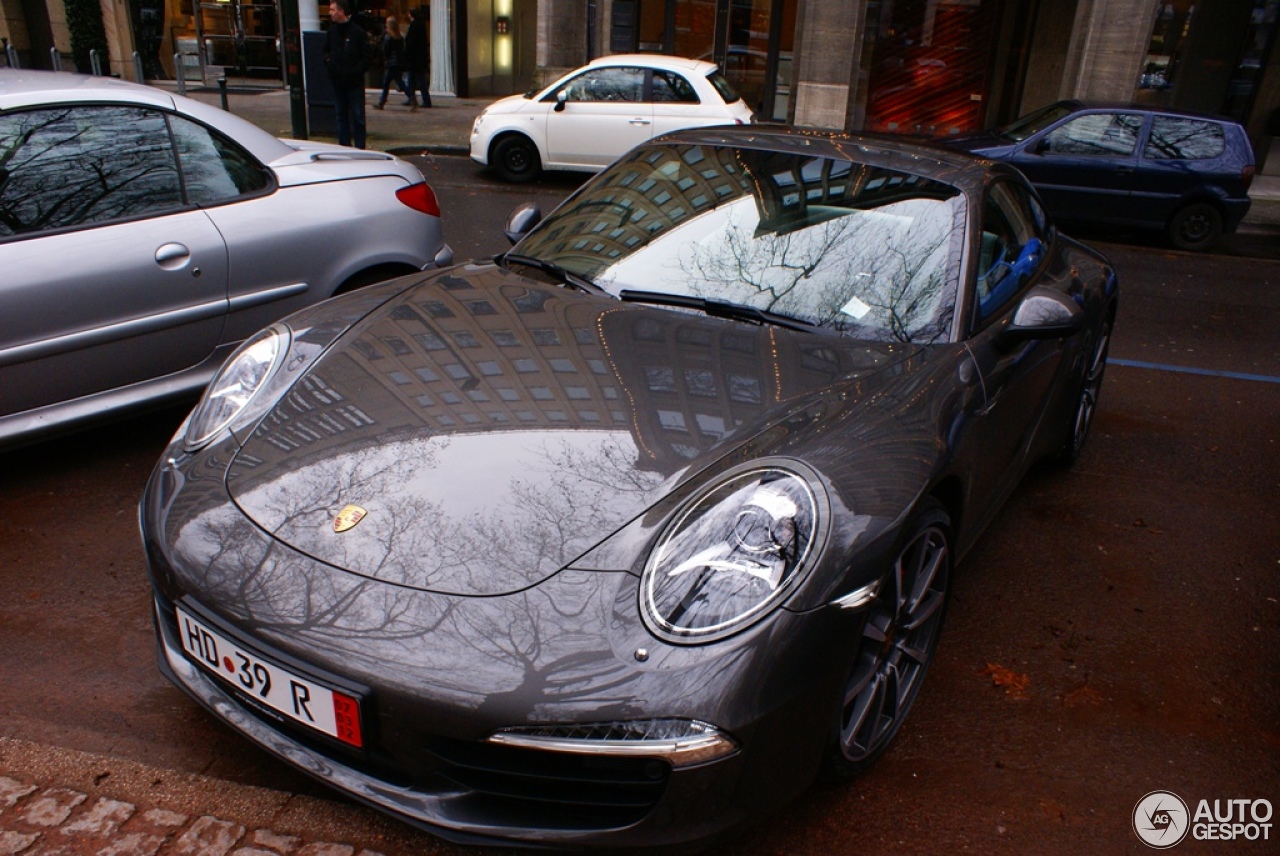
(1083, 696)
(1015, 684)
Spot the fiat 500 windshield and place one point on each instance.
(865, 250)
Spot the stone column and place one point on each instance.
(1108, 46)
(828, 49)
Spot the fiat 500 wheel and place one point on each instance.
(897, 644)
(515, 158)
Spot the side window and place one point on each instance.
(74, 166)
(607, 84)
(1014, 237)
(1183, 138)
(670, 87)
(214, 168)
(1096, 134)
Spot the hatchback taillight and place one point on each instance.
(1246, 175)
(420, 197)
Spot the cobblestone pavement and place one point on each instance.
(54, 821)
(61, 802)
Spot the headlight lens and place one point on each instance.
(732, 555)
(235, 385)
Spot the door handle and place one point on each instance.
(641, 121)
(173, 256)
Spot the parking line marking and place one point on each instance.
(1135, 364)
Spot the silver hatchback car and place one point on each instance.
(143, 235)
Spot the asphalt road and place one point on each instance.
(1116, 631)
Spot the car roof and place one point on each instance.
(652, 60)
(962, 170)
(22, 88)
(1077, 104)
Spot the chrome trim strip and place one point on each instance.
(679, 752)
(268, 295)
(113, 332)
(858, 598)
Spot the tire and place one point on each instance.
(898, 641)
(515, 159)
(1077, 431)
(1195, 227)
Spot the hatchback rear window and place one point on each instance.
(723, 86)
(1182, 138)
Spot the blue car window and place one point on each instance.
(1093, 134)
(1184, 138)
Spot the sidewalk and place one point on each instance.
(443, 129)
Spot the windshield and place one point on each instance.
(864, 250)
(1034, 122)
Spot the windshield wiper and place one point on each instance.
(566, 277)
(717, 308)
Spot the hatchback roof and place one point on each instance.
(653, 60)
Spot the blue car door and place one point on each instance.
(1085, 166)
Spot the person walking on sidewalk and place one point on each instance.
(346, 59)
(393, 62)
(417, 57)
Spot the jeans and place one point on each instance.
(349, 102)
(394, 74)
(418, 83)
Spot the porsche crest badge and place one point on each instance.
(348, 517)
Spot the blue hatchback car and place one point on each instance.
(1183, 173)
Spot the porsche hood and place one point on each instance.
(480, 431)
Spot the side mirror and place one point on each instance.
(521, 221)
(561, 97)
(1043, 314)
(1039, 147)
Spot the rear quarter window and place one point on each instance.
(723, 86)
(1182, 138)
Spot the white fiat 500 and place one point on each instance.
(592, 115)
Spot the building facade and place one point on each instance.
(896, 66)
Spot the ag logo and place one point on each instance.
(1161, 819)
(348, 517)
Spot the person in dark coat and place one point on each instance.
(392, 62)
(346, 59)
(417, 57)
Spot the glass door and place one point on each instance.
(242, 37)
(757, 59)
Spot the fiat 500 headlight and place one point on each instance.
(235, 385)
(733, 554)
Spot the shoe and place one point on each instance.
(377, 106)
(414, 107)
(411, 103)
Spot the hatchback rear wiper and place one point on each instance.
(567, 277)
(717, 308)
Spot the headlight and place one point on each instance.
(235, 385)
(733, 554)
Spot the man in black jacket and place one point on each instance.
(417, 57)
(346, 59)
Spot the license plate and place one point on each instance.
(300, 699)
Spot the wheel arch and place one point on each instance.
(372, 274)
(507, 133)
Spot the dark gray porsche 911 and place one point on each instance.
(627, 536)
